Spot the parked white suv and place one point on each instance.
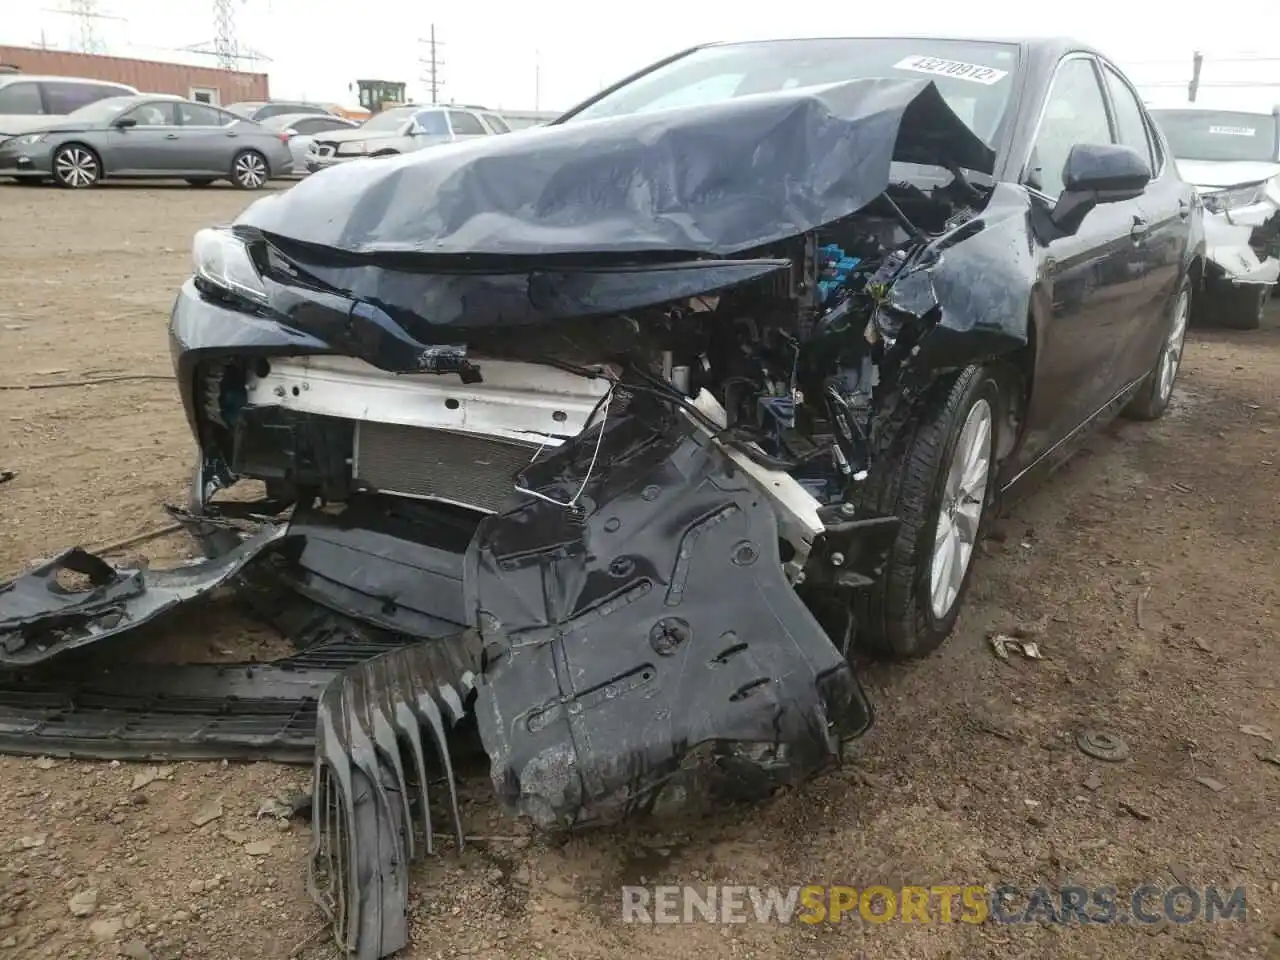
(403, 130)
(28, 101)
(1232, 157)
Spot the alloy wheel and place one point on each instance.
(1171, 355)
(964, 497)
(76, 167)
(250, 171)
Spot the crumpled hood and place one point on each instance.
(356, 134)
(1216, 174)
(716, 179)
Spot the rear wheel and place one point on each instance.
(249, 170)
(1152, 398)
(939, 480)
(76, 167)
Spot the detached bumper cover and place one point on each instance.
(1233, 249)
(41, 618)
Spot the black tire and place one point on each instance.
(201, 181)
(249, 170)
(76, 167)
(1152, 398)
(1244, 307)
(896, 617)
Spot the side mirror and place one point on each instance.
(1094, 174)
(124, 123)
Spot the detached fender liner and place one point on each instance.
(645, 650)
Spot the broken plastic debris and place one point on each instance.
(150, 775)
(1217, 786)
(1002, 643)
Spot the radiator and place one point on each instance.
(462, 468)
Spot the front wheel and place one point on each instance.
(939, 480)
(249, 170)
(1152, 398)
(76, 167)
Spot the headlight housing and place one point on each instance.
(29, 139)
(352, 148)
(221, 259)
(1220, 201)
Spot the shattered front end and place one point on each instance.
(602, 468)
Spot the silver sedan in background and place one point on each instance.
(151, 136)
(301, 129)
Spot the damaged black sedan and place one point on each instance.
(637, 424)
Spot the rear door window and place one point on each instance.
(466, 125)
(198, 115)
(496, 124)
(66, 96)
(21, 98)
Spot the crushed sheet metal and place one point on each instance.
(371, 808)
(41, 619)
(618, 681)
(719, 179)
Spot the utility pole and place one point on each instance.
(1197, 61)
(226, 45)
(537, 79)
(431, 65)
(87, 15)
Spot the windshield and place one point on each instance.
(103, 110)
(389, 121)
(974, 77)
(1219, 135)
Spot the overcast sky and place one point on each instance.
(552, 53)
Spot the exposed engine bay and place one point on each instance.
(791, 369)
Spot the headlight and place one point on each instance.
(357, 147)
(29, 139)
(1220, 201)
(222, 259)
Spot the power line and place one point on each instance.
(431, 65)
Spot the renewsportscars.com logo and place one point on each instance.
(942, 903)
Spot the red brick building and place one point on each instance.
(149, 76)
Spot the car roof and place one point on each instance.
(6, 78)
(284, 119)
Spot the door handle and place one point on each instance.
(171, 136)
(1184, 210)
(1139, 229)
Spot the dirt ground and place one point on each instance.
(1146, 568)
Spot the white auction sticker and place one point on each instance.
(1234, 131)
(973, 72)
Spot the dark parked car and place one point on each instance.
(152, 136)
(260, 110)
(642, 420)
